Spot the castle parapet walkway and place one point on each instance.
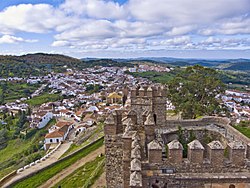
(210, 123)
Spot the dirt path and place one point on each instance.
(67, 171)
(100, 182)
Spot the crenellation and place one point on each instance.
(195, 152)
(216, 153)
(136, 143)
(236, 153)
(175, 152)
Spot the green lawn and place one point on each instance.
(243, 130)
(46, 97)
(41, 177)
(85, 176)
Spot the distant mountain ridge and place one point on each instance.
(49, 62)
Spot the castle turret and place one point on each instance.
(236, 153)
(154, 152)
(195, 152)
(175, 152)
(216, 153)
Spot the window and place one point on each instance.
(51, 140)
(155, 118)
(168, 170)
(57, 140)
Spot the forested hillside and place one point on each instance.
(41, 64)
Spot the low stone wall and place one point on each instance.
(198, 180)
(39, 160)
(222, 126)
(12, 174)
(53, 164)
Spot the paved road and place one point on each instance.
(67, 171)
(53, 158)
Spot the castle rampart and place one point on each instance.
(142, 147)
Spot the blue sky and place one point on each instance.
(126, 28)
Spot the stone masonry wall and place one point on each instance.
(114, 160)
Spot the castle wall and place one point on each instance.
(197, 181)
(199, 170)
(114, 161)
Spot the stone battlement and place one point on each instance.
(142, 146)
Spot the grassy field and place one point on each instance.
(17, 152)
(85, 176)
(14, 91)
(46, 97)
(243, 130)
(39, 178)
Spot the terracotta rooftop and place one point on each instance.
(54, 134)
(63, 123)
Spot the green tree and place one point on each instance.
(22, 118)
(193, 92)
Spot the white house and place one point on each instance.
(40, 119)
(57, 133)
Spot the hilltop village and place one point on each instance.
(87, 97)
(77, 108)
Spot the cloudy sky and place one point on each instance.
(126, 28)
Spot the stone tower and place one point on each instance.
(149, 99)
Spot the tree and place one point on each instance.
(22, 118)
(193, 92)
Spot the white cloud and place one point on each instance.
(224, 43)
(107, 25)
(95, 9)
(39, 18)
(187, 12)
(238, 25)
(8, 39)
